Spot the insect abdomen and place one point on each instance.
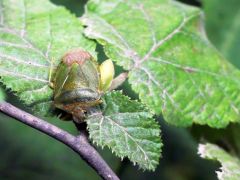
(81, 95)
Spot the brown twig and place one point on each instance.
(79, 143)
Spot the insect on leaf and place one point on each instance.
(33, 37)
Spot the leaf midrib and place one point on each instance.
(126, 133)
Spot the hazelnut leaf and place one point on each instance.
(128, 129)
(172, 65)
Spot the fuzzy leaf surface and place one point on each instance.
(172, 65)
(128, 129)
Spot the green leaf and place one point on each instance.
(171, 64)
(33, 35)
(230, 169)
(2, 94)
(128, 129)
(223, 27)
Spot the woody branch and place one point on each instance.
(79, 144)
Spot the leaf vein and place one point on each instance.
(10, 31)
(19, 61)
(166, 38)
(23, 30)
(5, 73)
(124, 131)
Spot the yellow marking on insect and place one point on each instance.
(107, 74)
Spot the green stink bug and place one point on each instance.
(80, 82)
